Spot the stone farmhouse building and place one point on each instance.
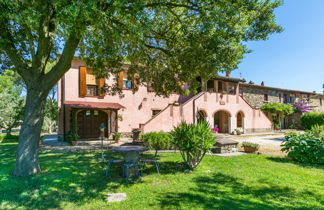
(225, 102)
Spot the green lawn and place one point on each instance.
(77, 181)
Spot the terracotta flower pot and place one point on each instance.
(250, 149)
(238, 133)
(117, 140)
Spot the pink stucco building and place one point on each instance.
(225, 102)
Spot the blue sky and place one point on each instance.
(294, 58)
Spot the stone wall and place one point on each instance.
(255, 96)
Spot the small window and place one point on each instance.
(265, 97)
(95, 113)
(88, 113)
(127, 84)
(210, 85)
(155, 112)
(321, 103)
(92, 90)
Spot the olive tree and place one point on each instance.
(166, 41)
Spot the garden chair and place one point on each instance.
(113, 161)
(150, 161)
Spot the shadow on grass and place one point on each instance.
(288, 160)
(221, 191)
(66, 177)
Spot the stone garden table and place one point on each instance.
(130, 153)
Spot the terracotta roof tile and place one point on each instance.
(93, 105)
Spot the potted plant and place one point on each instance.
(117, 137)
(239, 131)
(72, 138)
(215, 130)
(250, 147)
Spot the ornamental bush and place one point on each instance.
(193, 141)
(157, 141)
(304, 148)
(312, 118)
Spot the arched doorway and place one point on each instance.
(201, 115)
(222, 121)
(239, 120)
(88, 122)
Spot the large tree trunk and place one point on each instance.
(27, 152)
(8, 131)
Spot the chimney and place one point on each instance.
(251, 82)
(228, 74)
(262, 83)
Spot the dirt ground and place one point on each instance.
(269, 143)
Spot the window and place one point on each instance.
(92, 83)
(155, 112)
(279, 97)
(321, 103)
(88, 113)
(221, 86)
(231, 88)
(95, 113)
(127, 84)
(92, 90)
(210, 85)
(265, 97)
(285, 98)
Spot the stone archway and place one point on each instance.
(240, 119)
(222, 120)
(201, 115)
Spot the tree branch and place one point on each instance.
(10, 49)
(64, 62)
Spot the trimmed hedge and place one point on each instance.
(308, 120)
(157, 141)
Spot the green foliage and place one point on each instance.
(312, 118)
(193, 141)
(117, 135)
(74, 180)
(164, 41)
(11, 102)
(278, 112)
(157, 141)
(250, 144)
(317, 130)
(277, 108)
(305, 148)
(51, 112)
(9, 137)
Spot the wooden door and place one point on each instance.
(89, 121)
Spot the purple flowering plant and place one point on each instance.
(301, 106)
(215, 129)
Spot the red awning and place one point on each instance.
(93, 105)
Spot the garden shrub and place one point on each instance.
(157, 141)
(193, 141)
(317, 130)
(304, 148)
(312, 118)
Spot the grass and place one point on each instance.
(77, 181)
(11, 137)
